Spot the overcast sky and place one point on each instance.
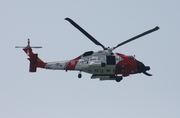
(60, 94)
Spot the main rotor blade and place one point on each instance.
(85, 33)
(138, 36)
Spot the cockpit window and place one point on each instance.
(131, 58)
(88, 53)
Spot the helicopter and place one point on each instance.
(103, 64)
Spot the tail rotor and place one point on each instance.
(35, 61)
(28, 47)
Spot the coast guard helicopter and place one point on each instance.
(103, 64)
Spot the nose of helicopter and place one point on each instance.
(141, 67)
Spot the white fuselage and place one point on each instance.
(90, 62)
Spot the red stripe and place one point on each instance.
(72, 64)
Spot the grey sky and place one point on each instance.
(58, 94)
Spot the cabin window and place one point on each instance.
(102, 58)
(111, 60)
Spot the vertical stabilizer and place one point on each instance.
(35, 61)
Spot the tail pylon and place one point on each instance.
(35, 61)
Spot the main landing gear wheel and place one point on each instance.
(119, 78)
(79, 75)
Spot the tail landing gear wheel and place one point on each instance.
(119, 78)
(79, 75)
